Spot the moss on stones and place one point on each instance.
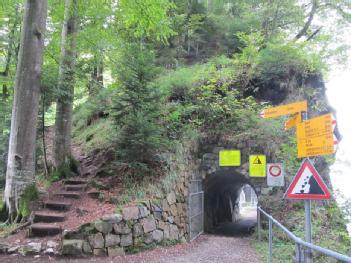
(30, 194)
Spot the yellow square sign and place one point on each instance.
(229, 158)
(257, 165)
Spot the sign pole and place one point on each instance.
(308, 221)
(308, 229)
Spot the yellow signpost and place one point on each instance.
(315, 137)
(293, 121)
(257, 165)
(284, 110)
(229, 158)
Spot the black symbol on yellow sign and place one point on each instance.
(257, 160)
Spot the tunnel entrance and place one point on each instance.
(230, 204)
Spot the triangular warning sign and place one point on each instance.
(257, 161)
(307, 184)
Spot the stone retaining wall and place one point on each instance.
(136, 227)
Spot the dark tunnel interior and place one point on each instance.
(228, 198)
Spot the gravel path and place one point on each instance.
(213, 249)
(207, 248)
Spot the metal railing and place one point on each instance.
(299, 243)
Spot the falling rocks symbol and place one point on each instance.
(307, 184)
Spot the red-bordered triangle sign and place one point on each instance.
(307, 184)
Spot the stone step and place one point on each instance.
(44, 229)
(48, 217)
(93, 194)
(75, 187)
(76, 181)
(68, 194)
(58, 205)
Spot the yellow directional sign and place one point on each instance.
(284, 110)
(315, 137)
(257, 165)
(291, 123)
(229, 158)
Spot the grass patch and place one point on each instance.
(96, 136)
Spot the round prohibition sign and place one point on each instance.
(275, 170)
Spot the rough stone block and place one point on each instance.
(149, 224)
(177, 220)
(103, 227)
(157, 215)
(12, 249)
(96, 241)
(180, 208)
(73, 234)
(115, 251)
(174, 210)
(122, 228)
(87, 248)
(162, 225)
(166, 233)
(165, 205)
(157, 235)
(143, 211)
(99, 252)
(31, 248)
(112, 240)
(72, 247)
(131, 212)
(113, 218)
(4, 248)
(52, 244)
(170, 219)
(126, 240)
(173, 232)
(171, 198)
(138, 230)
(148, 239)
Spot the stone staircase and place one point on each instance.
(46, 220)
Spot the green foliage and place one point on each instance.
(147, 18)
(30, 194)
(136, 111)
(288, 155)
(264, 62)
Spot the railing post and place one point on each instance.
(270, 240)
(298, 253)
(259, 224)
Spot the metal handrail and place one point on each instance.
(298, 241)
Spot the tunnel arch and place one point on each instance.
(222, 190)
(209, 179)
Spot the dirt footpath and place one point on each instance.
(206, 249)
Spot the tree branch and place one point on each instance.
(308, 23)
(314, 33)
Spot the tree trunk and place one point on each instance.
(21, 155)
(64, 106)
(97, 79)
